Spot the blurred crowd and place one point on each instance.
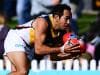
(26, 10)
(30, 9)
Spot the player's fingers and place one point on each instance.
(75, 51)
(76, 47)
(63, 54)
(73, 48)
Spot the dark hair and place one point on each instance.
(58, 9)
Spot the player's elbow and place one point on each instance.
(38, 51)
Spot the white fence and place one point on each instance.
(66, 65)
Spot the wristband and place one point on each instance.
(62, 49)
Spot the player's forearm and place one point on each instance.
(43, 50)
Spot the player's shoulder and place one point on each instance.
(41, 21)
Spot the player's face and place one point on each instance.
(65, 20)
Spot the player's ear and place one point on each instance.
(56, 17)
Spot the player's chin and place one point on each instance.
(65, 28)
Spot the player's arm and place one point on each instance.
(40, 36)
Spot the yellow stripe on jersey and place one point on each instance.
(52, 32)
(32, 35)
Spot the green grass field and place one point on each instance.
(83, 22)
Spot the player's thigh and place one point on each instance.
(5, 61)
(19, 60)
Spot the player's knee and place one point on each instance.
(23, 72)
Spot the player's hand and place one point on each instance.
(70, 52)
(64, 56)
(72, 49)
